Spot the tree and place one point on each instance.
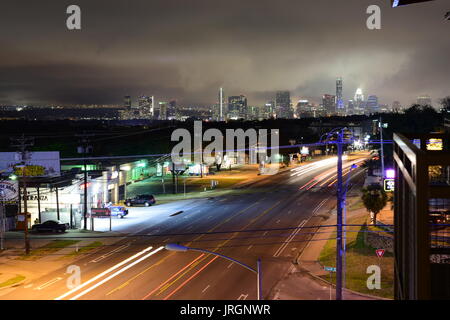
(375, 199)
(445, 103)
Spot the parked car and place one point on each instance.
(50, 226)
(118, 211)
(143, 199)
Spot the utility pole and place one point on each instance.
(85, 148)
(382, 149)
(340, 199)
(22, 144)
(2, 220)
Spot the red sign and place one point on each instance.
(100, 213)
(380, 252)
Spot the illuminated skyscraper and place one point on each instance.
(329, 103)
(340, 106)
(145, 107)
(127, 102)
(237, 107)
(372, 104)
(283, 105)
(359, 101)
(222, 112)
(162, 111)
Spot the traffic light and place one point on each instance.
(398, 3)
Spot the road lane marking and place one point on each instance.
(48, 283)
(192, 277)
(104, 273)
(249, 247)
(230, 265)
(289, 239)
(173, 276)
(116, 273)
(106, 255)
(203, 291)
(243, 297)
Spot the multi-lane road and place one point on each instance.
(272, 220)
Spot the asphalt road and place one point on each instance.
(273, 223)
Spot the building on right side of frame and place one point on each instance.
(422, 216)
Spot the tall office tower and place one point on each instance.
(127, 102)
(329, 103)
(267, 110)
(172, 110)
(237, 107)
(340, 106)
(145, 107)
(396, 106)
(372, 104)
(350, 107)
(283, 108)
(222, 111)
(162, 111)
(359, 101)
(424, 100)
(303, 109)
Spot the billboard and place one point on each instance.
(49, 160)
(9, 190)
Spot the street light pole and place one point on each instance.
(180, 248)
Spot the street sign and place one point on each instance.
(389, 185)
(100, 213)
(330, 269)
(380, 252)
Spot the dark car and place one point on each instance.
(143, 199)
(50, 226)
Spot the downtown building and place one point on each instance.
(424, 100)
(237, 107)
(372, 105)
(329, 104)
(283, 108)
(340, 105)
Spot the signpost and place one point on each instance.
(101, 213)
(330, 270)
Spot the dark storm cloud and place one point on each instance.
(187, 49)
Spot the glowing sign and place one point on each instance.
(389, 185)
(390, 173)
(435, 145)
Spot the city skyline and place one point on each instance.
(233, 49)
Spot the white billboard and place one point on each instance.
(48, 159)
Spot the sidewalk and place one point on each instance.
(17, 269)
(304, 281)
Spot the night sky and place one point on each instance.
(187, 49)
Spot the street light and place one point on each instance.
(180, 248)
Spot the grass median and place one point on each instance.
(12, 281)
(47, 249)
(84, 249)
(359, 257)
